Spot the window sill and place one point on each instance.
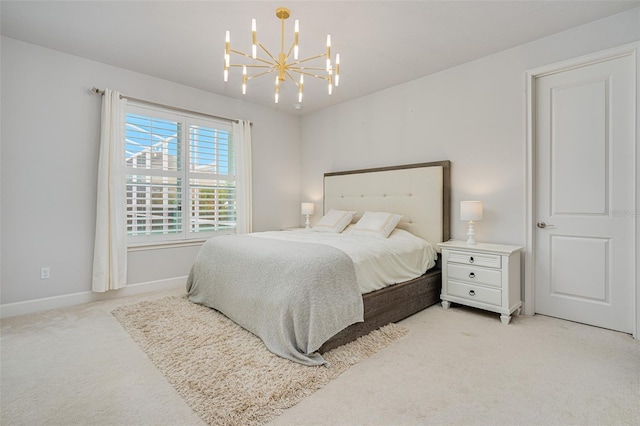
(164, 245)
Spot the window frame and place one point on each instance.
(183, 174)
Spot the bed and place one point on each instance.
(300, 325)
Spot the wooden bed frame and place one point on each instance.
(399, 190)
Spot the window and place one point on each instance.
(180, 174)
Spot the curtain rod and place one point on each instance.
(235, 120)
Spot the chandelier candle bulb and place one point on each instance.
(244, 80)
(328, 53)
(295, 39)
(300, 88)
(226, 68)
(254, 40)
(337, 79)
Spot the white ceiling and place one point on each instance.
(381, 43)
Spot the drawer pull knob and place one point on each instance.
(472, 275)
(470, 259)
(472, 293)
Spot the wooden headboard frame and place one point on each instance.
(419, 192)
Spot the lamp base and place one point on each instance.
(470, 234)
(307, 223)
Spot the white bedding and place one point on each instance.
(379, 262)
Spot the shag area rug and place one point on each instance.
(225, 373)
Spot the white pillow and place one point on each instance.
(334, 221)
(376, 224)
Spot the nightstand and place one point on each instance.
(484, 276)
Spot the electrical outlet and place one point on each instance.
(45, 273)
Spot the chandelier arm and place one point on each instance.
(321, 77)
(267, 52)
(292, 79)
(260, 74)
(300, 69)
(250, 57)
(293, 45)
(239, 53)
(252, 65)
(308, 59)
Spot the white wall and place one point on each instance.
(50, 138)
(473, 115)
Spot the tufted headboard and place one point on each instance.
(419, 192)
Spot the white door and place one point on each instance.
(585, 194)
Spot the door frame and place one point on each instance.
(630, 49)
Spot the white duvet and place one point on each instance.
(379, 262)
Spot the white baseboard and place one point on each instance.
(55, 302)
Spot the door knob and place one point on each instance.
(542, 225)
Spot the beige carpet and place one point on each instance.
(225, 373)
(77, 366)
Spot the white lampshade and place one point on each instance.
(307, 208)
(471, 210)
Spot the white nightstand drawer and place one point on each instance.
(477, 293)
(474, 274)
(480, 259)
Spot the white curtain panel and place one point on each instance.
(242, 142)
(110, 251)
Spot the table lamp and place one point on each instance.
(307, 209)
(471, 211)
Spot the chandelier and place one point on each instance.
(282, 64)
